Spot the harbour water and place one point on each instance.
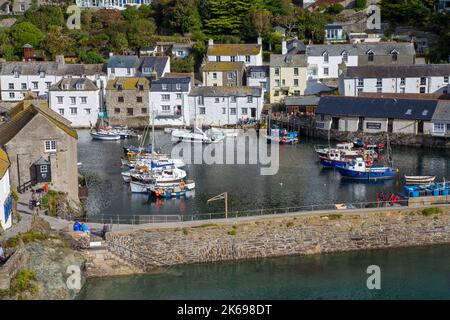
(408, 273)
(300, 180)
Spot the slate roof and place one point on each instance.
(211, 91)
(302, 101)
(51, 68)
(156, 64)
(264, 69)
(234, 49)
(72, 85)
(378, 48)
(287, 60)
(398, 71)
(409, 109)
(442, 112)
(172, 80)
(4, 163)
(123, 62)
(295, 46)
(223, 66)
(24, 112)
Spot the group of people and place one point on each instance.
(77, 226)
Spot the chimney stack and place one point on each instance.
(210, 42)
(260, 40)
(283, 46)
(60, 59)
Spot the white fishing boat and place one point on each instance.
(169, 130)
(146, 187)
(419, 179)
(105, 136)
(195, 135)
(166, 175)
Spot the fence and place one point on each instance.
(155, 219)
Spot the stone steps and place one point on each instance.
(103, 262)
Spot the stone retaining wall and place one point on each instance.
(279, 236)
(15, 263)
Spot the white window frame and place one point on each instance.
(50, 145)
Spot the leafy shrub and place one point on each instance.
(335, 8)
(232, 232)
(431, 211)
(290, 224)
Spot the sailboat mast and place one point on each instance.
(153, 131)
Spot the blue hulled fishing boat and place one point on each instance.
(357, 169)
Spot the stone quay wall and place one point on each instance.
(399, 139)
(270, 236)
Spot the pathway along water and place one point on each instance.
(408, 273)
(300, 180)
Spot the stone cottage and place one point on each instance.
(42, 148)
(127, 101)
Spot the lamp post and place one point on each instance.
(220, 197)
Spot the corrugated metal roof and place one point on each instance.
(412, 109)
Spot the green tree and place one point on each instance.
(45, 16)
(91, 57)
(260, 20)
(119, 43)
(57, 42)
(140, 33)
(26, 32)
(184, 16)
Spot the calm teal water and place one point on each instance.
(300, 180)
(411, 273)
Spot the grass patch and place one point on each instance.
(234, 227)
(206, 225)
(290, 224)
(333, 216)
(232, 232)
(431, 211)
(185, 231)
(27, 237)
(24, 284)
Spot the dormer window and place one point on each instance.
(325, 57)
(147, 70)
(16, 74)
(370, 56)
(66, 86)
(344, 56)
(42, 74)
(164, 86)
(80, 86)
(119, 87)
(178, 86)
(141, 87)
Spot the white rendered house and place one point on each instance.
(251, 54)
(428, 78)
(77, 100)
(19, 78)
(169, 101)
(219, 106)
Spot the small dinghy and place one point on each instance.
(419, 179)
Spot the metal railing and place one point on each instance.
(338, 207)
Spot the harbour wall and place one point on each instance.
(281, 235)
(399, 139)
